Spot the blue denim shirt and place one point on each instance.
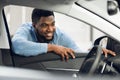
(25, 41)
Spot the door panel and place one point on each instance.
(5, 57)
(49, 61)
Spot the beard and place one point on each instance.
(42, 39)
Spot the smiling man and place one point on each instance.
(42, 36)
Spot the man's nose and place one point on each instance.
(50, 28)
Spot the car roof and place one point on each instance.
(54, 5)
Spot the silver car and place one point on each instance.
(85, 21)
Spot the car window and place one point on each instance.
(82, 33)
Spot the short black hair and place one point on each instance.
(38, 13)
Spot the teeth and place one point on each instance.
(49, 34)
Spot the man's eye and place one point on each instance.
(53, 24)
(44, 25)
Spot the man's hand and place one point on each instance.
(106, 52)
(62, 51)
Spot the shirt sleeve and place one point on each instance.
(23, 46)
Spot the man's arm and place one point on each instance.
(28, 48)
(24, 44)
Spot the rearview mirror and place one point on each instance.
(112, 7)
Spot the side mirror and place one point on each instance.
(112, 7)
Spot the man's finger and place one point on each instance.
(105, 54)
(72, 54)
(62, 55)
(112, 53)
(66, 56)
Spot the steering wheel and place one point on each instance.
(91, 61)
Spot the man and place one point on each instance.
(42, 36)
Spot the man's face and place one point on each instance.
(46, 27)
